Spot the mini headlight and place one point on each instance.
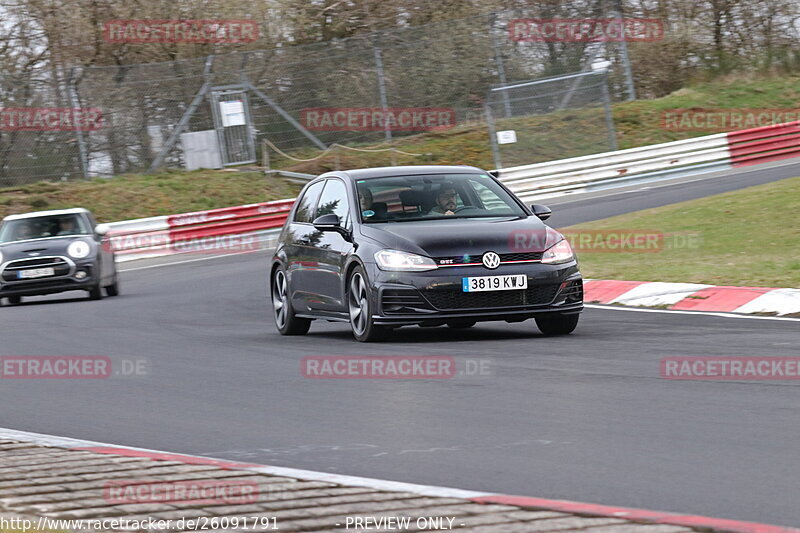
(78, 249)
(561, 252)
(406, 261)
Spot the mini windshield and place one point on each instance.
(436, 196)
(42, 227)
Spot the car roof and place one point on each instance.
(380, 172)
(54, 212)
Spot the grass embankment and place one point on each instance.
(749, 237)
(135, 196)
(567, 133)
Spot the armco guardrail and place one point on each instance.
(690, 156)
(198, 231)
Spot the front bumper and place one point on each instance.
(52, 284)
(436, 296)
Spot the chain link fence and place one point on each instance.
(448, 66)
(551, 118)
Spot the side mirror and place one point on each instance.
(101, 229)
(541, 211)
(330, 222)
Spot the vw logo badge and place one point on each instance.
(491, 260)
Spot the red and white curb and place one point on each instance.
(693, 297)
(578, 508)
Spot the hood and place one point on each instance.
(470, 236)
(41, 247)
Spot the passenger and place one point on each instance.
(365, 199)
(24, 232)
(369, 208)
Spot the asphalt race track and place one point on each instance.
(585, 417)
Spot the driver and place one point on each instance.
(67, 226)
(445, 200)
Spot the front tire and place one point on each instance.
(557, 324)
(113, 289)
(285, 319)
(360, 308)
(96, 292)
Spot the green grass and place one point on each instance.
(749, 237)
(135, 196)
(567, 133)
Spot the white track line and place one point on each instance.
(184, 261)
(678, 312)
(309, 475)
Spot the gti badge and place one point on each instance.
(491, 260)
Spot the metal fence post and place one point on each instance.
(498, 60)
(184, 121)
(72, 90)
(387, 132)
(492, 132)
(624, 51)
(612, 135)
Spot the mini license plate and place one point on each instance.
(35, 273)
(494, 283)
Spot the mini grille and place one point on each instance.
(59, 265)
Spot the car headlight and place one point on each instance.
(405, 261)
(78, 249)
(561, 252)
(1, 258)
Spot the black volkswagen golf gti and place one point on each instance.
(429, 245)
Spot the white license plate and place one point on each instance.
(494, 283)
(36, 273)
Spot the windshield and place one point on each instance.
(43, 227)
(436, 196)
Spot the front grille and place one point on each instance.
(59, 264)
(523, 256)
(39, 285)
(462, 259)
(402, 301)
(451, 299)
